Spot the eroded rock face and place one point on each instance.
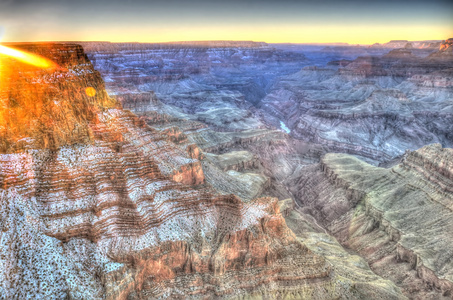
(131, 213)
(154, 66)
(399, 219)
(374, 107)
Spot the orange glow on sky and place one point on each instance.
(352, 34)
(284, 34)
(282, 21)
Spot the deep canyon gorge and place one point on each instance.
(227, 170)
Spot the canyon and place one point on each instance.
(229, 170)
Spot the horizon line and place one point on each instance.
(220, 40)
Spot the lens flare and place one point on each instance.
(28, 58)
(90, 91)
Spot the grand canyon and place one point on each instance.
(209, 149)
(227, 170)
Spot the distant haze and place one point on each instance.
(306, 21)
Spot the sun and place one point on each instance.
(26, 57)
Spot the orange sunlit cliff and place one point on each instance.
(43, 100)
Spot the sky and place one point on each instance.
(284, 21)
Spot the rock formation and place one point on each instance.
(135, 210)
(350, 105)
(445, 50)
(375, 106)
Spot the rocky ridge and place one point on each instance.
(409, 44)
